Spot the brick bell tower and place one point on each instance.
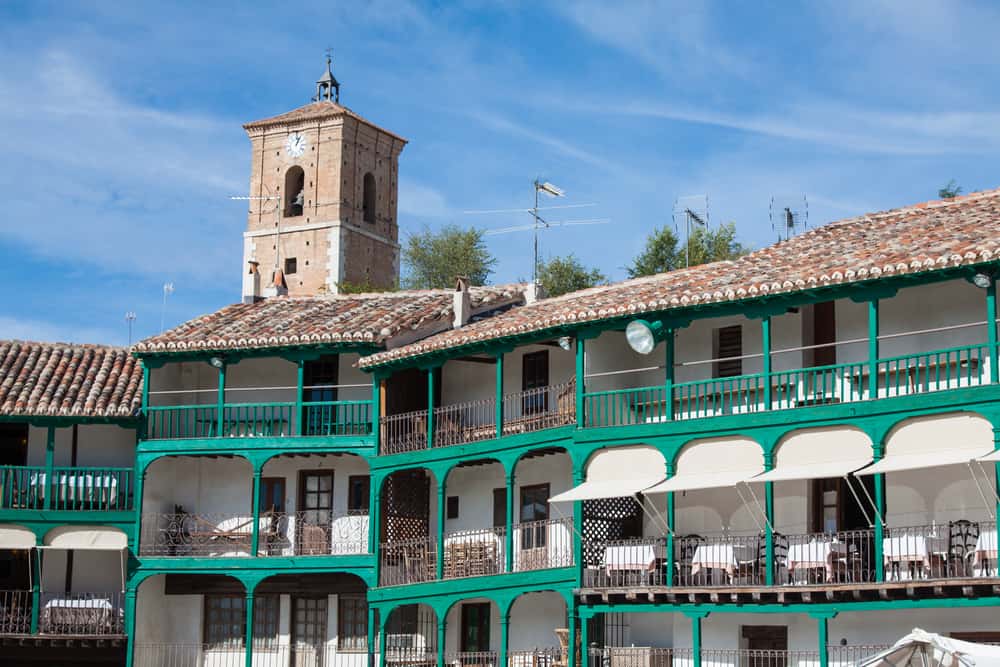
(323, 186)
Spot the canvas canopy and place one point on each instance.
(819, 453)
(714, 463)
(926, 649)
(618, 472)
(928, 442)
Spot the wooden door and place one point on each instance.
(309, 616)
(475, 627)
(824, 333)
(272, 509)
(315, 515)
(535, 375)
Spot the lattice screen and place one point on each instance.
(406, 505)
(606, 520)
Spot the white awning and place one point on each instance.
(819, 453)
(617, 472)
(928, 442)
(86, 538)
(713, 463)
(16, 537)
(992, 457)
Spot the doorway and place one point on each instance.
(13, 444)
(766, 645)
(309, 616)
(315, 516)
(272, 510)
(475, 628)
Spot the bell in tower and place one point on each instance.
(327, 88)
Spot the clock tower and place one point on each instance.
(323, 197)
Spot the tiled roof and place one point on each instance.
(60, 379)
(925, 237)
(314, 111)
(289, 321)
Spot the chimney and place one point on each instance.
(462, 304)
(533, 292)
(278, 287)
(251, 283)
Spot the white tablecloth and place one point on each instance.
(629, 557)
(913, 548)
(80, 603)
(81, 486)
(816, 554)
(721, 556)
(986, 547)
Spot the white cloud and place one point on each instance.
(42, 330)
(421, 201)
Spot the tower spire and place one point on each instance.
(327, 87)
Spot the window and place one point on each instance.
(225, 621)
(358, 494)
(320, 386)
(534, 507)
(499, 508)
(368, 198)
(291, 265)
(352, 622)
(295, 182)
(452, 507)
(535, 375)
(728, 343)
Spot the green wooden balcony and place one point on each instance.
(65, 488)
(919, 373)
(249, 420)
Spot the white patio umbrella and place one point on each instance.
(926, 649)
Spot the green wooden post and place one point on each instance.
(671, 525)
(370, 638)
(374, 523)
(249, 627)
(382, 620)
(129, 626)
(765, 361)
(140, 481)
(442, 501)
(222, 402)
(442, 625)
(769, 527)
(50, 460)
(144, 429)
(499, 403)
(668, 379)
(822, 623)
(584, 642)
(991, 328)
(36, 591)
(504, 638)
(508, 555)
(377, 411)
(873, 349)
(996, 486)
(300, 377)
(696, 639)
(578, 476)
(580, 382)
(255, 535)
(430, 408)
(878, 452)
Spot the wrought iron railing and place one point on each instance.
(536, 657)
(404, 657)
(312, 533)
(539, 408)
(652, 656)
(821, 558)
(920, 372)
(720, 560)
(196, 535)
(848, 655)
(622, 563)
(471, 659)
(81, 614)
(270, 654)
(540, 545)
(471, 421)
(408, 562)
(15, 612)
(952, 550)
(473, 553)
(405, 432)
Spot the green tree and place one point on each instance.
(434, 259)
(664, 252)
(559, 275)
(950, 191)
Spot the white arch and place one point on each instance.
(818, 453)
(617, 472)
(714, 462)
(935, 440)
(86, 537)
(16, 537)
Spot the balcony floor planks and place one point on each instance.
(819, 593)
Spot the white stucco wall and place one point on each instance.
(97, 445)
(204, 485)
(452, 635)
(261, 380)
(92, 572)
(534, 618)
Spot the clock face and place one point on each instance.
(296, 145)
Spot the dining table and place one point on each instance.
(75, 615)
(629, 557)
(816, 555)
(913, 550)
(986, 550)
(725, 556)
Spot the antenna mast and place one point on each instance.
(694, 208)
(789, 215)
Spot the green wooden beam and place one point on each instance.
(48, 488)
(222, 402)
(499, 396)
(581, 369)
(991, 328)
(430, 408)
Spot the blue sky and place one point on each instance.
(120, 137)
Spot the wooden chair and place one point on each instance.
(686, 546)
(962, 537)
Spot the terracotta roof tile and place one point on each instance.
(314, 111)
(289, 321)
(920, 238)
(60, 379)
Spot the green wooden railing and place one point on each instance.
(241, 420)
(922, 372)
(67, 488)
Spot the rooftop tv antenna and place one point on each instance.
(129, 319)
(541, 187)
(168, 289)
(789, 215)
(277, 221)
(694, 210)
